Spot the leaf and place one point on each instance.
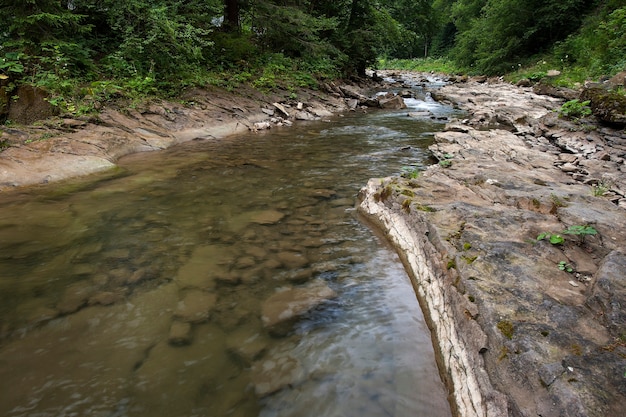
(3, 77)
(556, 239)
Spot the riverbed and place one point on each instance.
(142, 291)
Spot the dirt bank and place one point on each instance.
(524, 327)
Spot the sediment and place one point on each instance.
(523, 327)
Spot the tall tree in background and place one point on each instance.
(231, 15)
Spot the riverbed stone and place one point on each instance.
(281, 310)
(292, 260)
(274, 374)
(247, 346)
(195, 306)
(180, 333)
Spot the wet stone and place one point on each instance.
(247, 347)
(275, 374)
(267, 217)
(195, 306)
(180, 333)
(75, 297)
(227, 278)
(283, 309)
(292, 260)
(106, 298)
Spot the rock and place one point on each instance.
(352, 103)
(261, 126)
(420, 114)
(275, 374)
(247, 347)
(393, 103)
(106, 298)
(553, 73)
(352, 93)
(608, 106)
(524, 82)
(75, 297)
(180, 333)
(609, 289)
(283, 309)
(618, 80)
(266, 217)
(281, 109)
(304, 115)
(569, 167)
(195, 306)
(292, 260)
(549, 90)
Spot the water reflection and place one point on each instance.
(217, 278)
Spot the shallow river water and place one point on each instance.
(142, 292)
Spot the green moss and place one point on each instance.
(469, 259)
(467, 246)
(451, 264)
(506, 328)
(406, 205)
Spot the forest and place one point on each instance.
(78, 47)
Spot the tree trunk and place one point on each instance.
(231, 17)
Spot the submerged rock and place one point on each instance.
(283, 309)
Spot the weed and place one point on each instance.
(555, 239)
(410, 172)
(506, 328)
(446, 163)
(575, 109)
(564, 266)
(581, 231)
(451, 264)
(469, 259)
(467, 246)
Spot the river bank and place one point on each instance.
(525, 325)
(59, 148)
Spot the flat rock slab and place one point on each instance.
(518, 333)
(283, 309)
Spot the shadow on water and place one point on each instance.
(224, 278)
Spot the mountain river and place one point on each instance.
(143, 292)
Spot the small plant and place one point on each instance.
(581, 231)
(506, 328)
(410, 172)
(564, 266)
(554, 238)
(575, 109)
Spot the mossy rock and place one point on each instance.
(609, 106)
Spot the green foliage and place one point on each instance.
(564, 266)
(575, 109)
(553, 238)
(437, 65)
(578, 230)
(410, 172)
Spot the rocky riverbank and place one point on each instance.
(515, 245)
(58, 148)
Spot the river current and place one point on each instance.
(141, 292)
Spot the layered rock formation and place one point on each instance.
(524, 327)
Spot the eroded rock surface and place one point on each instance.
(518, 333)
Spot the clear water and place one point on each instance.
(100, 277)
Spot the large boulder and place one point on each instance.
(609, 106)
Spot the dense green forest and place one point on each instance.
(146, 46)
